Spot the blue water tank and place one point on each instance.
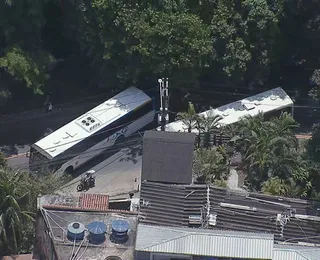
(75, 231)
(97, 231)
(120, 230)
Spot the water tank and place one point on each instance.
(75, 231)
(113, 258)
(97, 232)
(119, 231)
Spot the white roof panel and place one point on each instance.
(271, 100)
(80, 128)
(204, 242)
(291, 252)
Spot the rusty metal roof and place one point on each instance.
(18, 257)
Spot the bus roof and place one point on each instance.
(271, 100)
(89, 123)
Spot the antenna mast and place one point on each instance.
(163, 117)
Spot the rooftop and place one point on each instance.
(18, 257)
(287, 252)
(58, 221)
(271, 100)
(184, 205)
(85, 202)
(191, 242)
(167, 157)
(94, 120)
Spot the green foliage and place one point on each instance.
(210, 165)
(3, 161)
(279, 187)
(129, 42)
(31, 69)
(22, 55)
(313, 145)
(207, 126)
(269, 149)
(190, 118)
(18, 206)
(245, 35)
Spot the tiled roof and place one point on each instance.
(86, 202)
(94, 201)
(171, 205)
(18, 257)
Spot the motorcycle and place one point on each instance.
(87, 181)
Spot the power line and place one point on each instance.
(57, 105)
(105, 150)
(122, 125)
(95, 134)
(230, 86)
(193, 89)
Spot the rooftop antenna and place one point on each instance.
(283, 219)
(163, 117)
(205, 211)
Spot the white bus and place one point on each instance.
(268, 102)
(89, 135)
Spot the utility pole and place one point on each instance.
(163, 117)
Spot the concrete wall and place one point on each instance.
(43, 248)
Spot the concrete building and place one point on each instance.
(83, 228)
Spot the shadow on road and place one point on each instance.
(132, 154)
(9, 150)
(131, 146)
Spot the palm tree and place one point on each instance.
(13, 202)
(208, 125)
(268, 148)
(210, 165)
(189, 118)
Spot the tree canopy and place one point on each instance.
(250, 43)
(18, 206)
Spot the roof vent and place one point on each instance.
(248, 106)
(89, 122)
(97, 232)
(111, 102)
(273, 97)
(112, 258)
(75, 231)
(195, 219)
(120, 230)
(257, 103)
(212, 220)
(225, 113)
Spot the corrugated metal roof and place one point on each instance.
(287, 252)
(190, 241)
(171, 205)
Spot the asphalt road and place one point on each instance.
(115, 176)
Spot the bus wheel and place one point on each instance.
(119, 143)
(69, 170)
